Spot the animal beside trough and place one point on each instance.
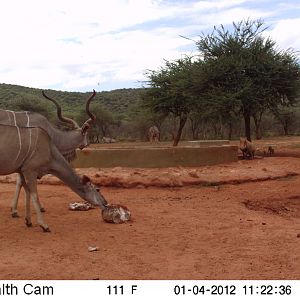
(153, 134)
(270, 151)
(31, 153)
(248, 149)
(108, 140)
(65, 141)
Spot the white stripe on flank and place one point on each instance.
(29, 143)
(20, 143)
(8, 111)
(14, 118)
(34, 148)
(27, 125)
(19, 135)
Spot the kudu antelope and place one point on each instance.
(31, 153)
(153, 134)
(65, 141)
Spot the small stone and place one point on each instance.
(81, 206)
(194, 174)
(263, 223)
(298, 235)
(93, 248)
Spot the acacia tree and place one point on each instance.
(247, 72)
(142, 118)
(171, 92)
(103, 124)
(286, 116)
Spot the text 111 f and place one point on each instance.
(119, 289)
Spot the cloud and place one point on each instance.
(80, 45)
(285, 34)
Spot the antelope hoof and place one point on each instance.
(45, 229)
(42, 209)
(15, 215)
(28, 223)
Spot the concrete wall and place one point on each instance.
(146, 157)
(205, 143)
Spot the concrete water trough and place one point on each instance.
(155, 157)
(205, 143)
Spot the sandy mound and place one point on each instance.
(238, 172)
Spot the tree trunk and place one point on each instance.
(195, 133)
(257, 122)
(286, 128)
(179, 132)
(247, 120)
(97, 139)
(229, 130)
(258, 134)
(195, 128)
(104, 130)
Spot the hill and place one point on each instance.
(119, 102)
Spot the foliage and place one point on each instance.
(114, 107)
(104, 121)
(22, 103)
(118, 101)
(245, 74)
(171, 91)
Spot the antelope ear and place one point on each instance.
(85, 180)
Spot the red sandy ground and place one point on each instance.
(234, 221)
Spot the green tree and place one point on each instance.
(245, 73)
(104, 121)
(23, 102)
(286, 116)
(171, 92)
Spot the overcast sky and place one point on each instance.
(82, 45)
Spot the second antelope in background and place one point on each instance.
(153, 134)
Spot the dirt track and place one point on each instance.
(228, 231)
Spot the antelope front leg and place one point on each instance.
(27, 203)
(31, 185)
(27, 209)
(40, 219)
(14, 210)
(42, 209)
